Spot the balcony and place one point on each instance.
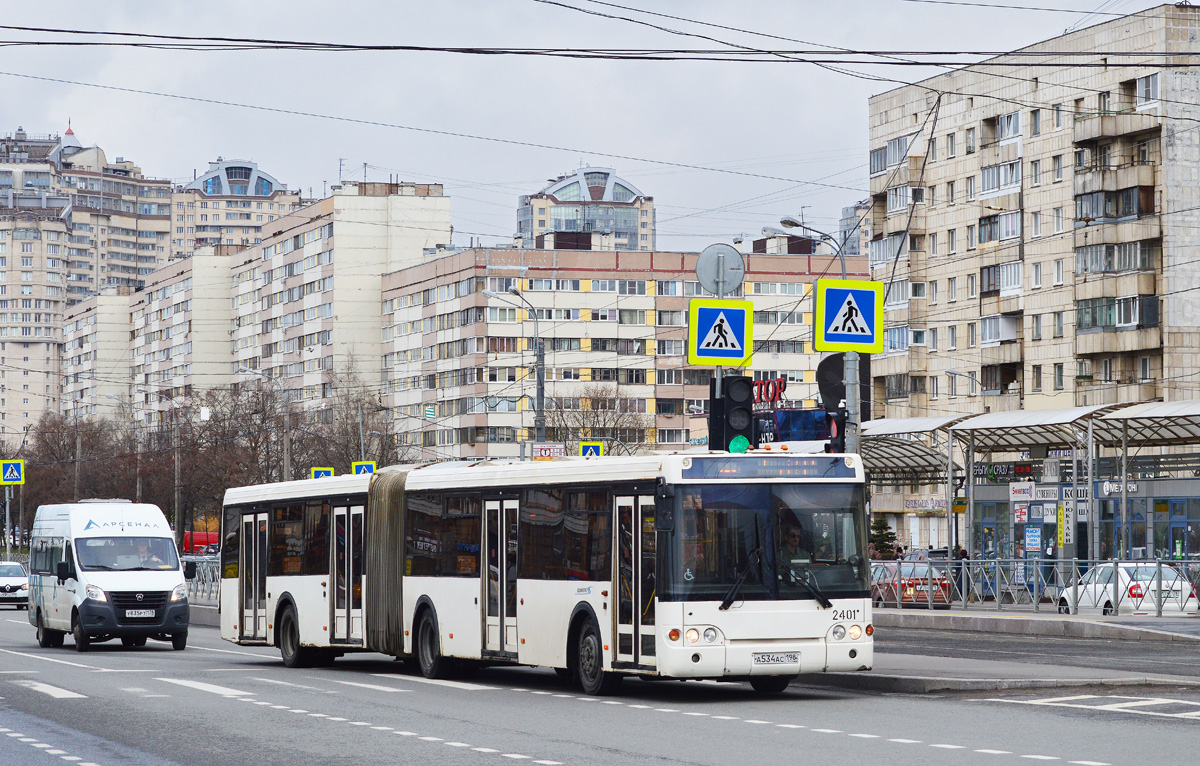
(1006, 353)
(897, 175)
(1089, 392)
(1113, 232)
(1008, 401)
(1109, 285)
(1093, 127)
(1109, 341)
(1094, 178)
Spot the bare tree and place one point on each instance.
(597, 412)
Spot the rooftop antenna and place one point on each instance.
(364, 172)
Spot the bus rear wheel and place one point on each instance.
(294, 655)
(770, 684)
(429, 647)
(589, 663)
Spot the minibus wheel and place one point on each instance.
(589, 663)
(47, 638)
(82, 642)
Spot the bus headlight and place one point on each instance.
(180, 593)
(839, 632)
(692, 635)
(710, 635)
(95, 594)
(855, 632)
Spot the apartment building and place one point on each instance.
(1038, 224)
(96, 357)
(582, 201)
(459, 364)
(227, 205)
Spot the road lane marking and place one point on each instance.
(787, 725)
(224, 691)
(866, 736)
(270, 656)
(828, 731)
(514, 756)
(485, 750)
(549, 763)
(1089, 763)
(994, 752)
(291, 685)
(906, 741)
(373, 687)
(52, 691)
(436, 682)
(16, 672)
(751, 720)
(51, 659)
(951, 747)
(456, 744)
(430, 739)
(1042, 757)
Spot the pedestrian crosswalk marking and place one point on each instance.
(1114, 703)
(721, 336)
(224, 691)
(51, 691)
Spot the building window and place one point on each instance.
(972, 333)
(1035, 172)
(952, 384)
(1035, 376)
(970, 140)
(1056, 163)
(1037, 326)
(933, 148)
(1058, 323)
(952, 241)
(1059, 270)
(970, 237)
(1144, 369)
(1058, 377)
(970, 188)
(952, 289)
(1147, 89)
(933, 339)
(950, 152)
(952, 337)
(1037, 275)
(949, 192)
(933, 387)
(1058, 220)
(1058, 116)
(933, 292)
(1008, 126)
(933, 242)
(971, 291)
(1035, 223)
(1035, 122)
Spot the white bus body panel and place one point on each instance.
(544, 609)
(456, 602)
(312, 606)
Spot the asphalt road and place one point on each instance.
(1152, 657)
(217, 703)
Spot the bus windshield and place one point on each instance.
(123, 554)
(796, 540)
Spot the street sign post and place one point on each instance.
(848, 316)
(12, 472)
(720, 332)
(591, 449)
(319, 473)
(720, 269)
(362, 466)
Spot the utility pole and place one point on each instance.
(178, 480)
(362, 449)
(287, 422)
(539, 417)
(78, 450)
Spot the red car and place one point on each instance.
(911, 584)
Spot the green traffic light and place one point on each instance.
(739, 444)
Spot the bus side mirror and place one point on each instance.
(189, 570)
(664, 511)
(63, 571)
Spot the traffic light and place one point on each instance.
(837, 431)
(731, 414)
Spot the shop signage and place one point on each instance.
(1050, 470)
(1045, 493)
(1033, 538)
(769, 391)
(1069, 493)
(960, 505)
(1021, 513)
(1020, 492)
(924, 503)
(1066, 532)
(1035, 511)
(1002, 471)
(1114, 488)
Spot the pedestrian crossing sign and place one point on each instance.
(319, 473)
(720, 332)
(12, 471)
(848, 316)
(361, 467)
(591, 449)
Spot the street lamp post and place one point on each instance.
(287, 426)
(8, 503)
(853, 416)
(179, 527)
(539, 418)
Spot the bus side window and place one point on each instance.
(461, 537)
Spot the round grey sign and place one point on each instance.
(723, 264)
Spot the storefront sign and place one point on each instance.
(1050, 470)
(769, 391)
(1045, 493)
(1021, 513)
(960, 505)
(1114, 488)
(1020, 492)
(1033, 538)
(999, 472)
(1035, 511)
(1069, 493)
(924, 503)
(1081, 510)
(1066, 532)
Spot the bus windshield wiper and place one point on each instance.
(751, 562)
(809, 583)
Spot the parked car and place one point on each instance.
(211, 550)
(911, 584)
(14, 584)
(927, 554)
(1136, 591)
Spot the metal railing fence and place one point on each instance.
(1144, 587)
(205, 588)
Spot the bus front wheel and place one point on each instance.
(589, 663)
(429, 647)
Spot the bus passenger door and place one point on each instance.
(252, 572)
(347, 572)
(633, 577)
(500, 576)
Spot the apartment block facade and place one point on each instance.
(459, 365)
(228, 205)
(1037, 225)
(583, 201)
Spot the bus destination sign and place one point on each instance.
(768, 467)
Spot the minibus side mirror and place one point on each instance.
(664, 511)
(63, 571)
(189, 570)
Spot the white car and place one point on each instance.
(14, 584)
(1135, 592)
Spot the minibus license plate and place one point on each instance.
(139, 612)
(774, 658)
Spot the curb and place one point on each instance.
(927, 685)
(207, 616)
(1025, 626)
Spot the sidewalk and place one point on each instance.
(1029, 623)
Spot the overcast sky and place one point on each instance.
(789, 120)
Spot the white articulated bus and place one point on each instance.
(737, 567)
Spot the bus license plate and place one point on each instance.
(772, 658)
(139, 612)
